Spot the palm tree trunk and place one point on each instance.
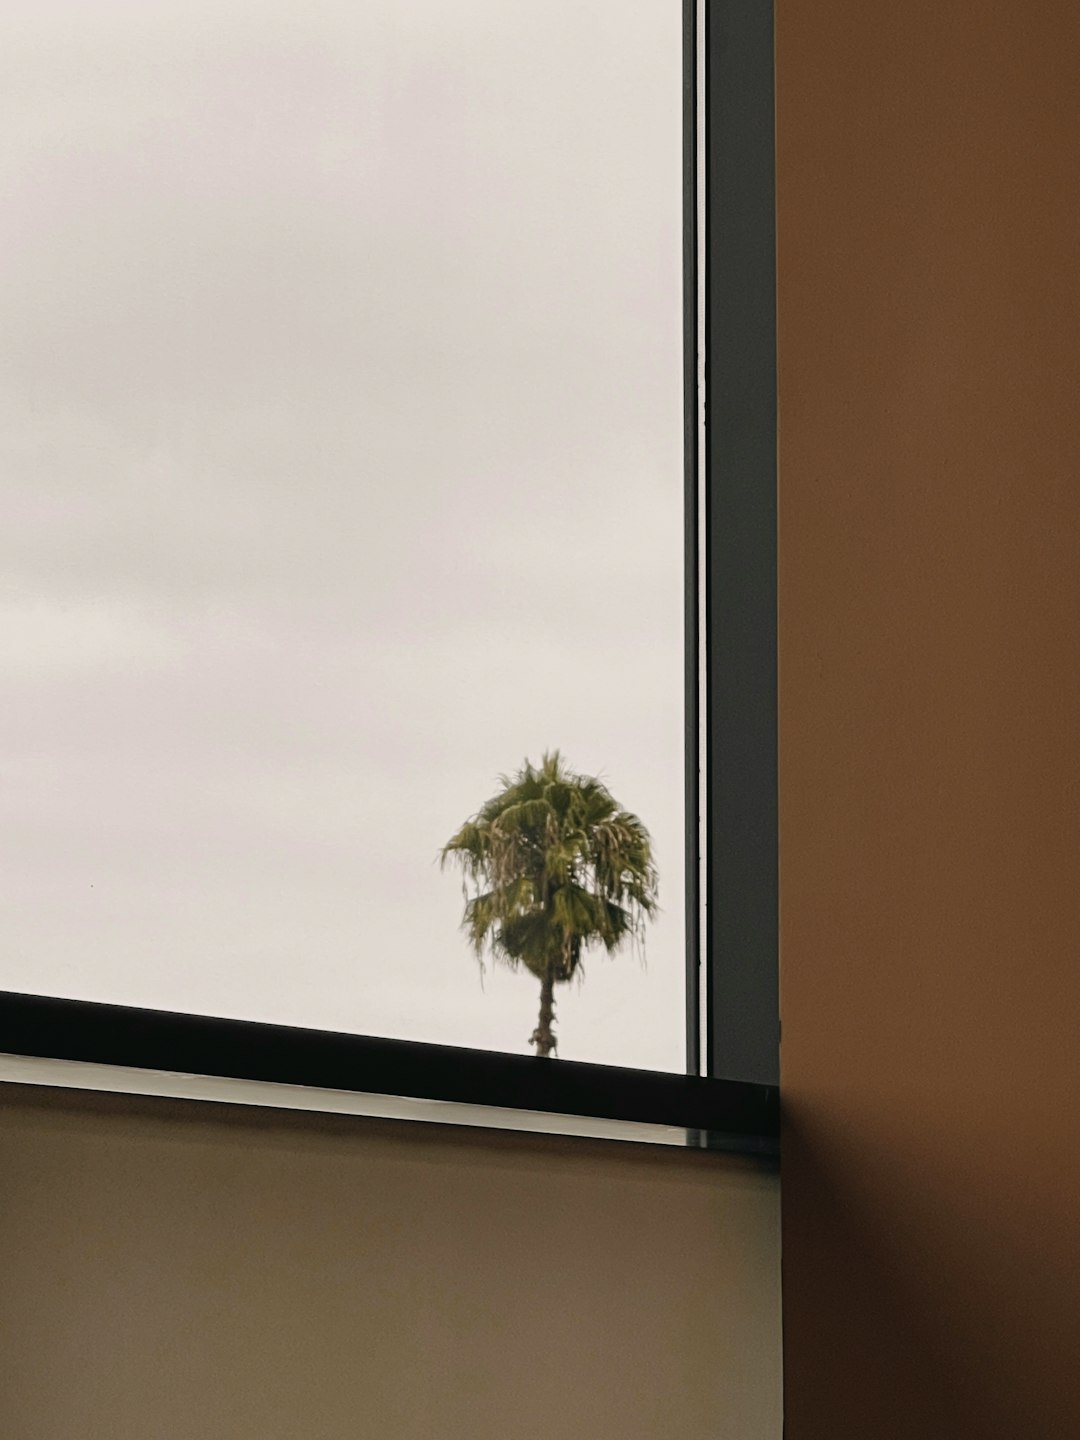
(543, 1037)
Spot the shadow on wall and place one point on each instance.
(923, 1302)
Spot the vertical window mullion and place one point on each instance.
(742, 896)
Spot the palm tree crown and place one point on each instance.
(552, 866)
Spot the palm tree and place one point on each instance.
(551, 866)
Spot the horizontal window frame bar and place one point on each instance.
(718, 1114)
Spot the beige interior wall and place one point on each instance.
(175, 1270)
(929, 302)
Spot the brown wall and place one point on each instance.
(929, 276)
(183, 1271)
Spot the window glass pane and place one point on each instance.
(341, 403)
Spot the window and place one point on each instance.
(347, 386)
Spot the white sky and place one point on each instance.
(340, 431)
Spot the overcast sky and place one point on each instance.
(340, 422)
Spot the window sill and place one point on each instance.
(86, 1045)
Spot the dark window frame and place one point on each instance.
(715, 1114)
(729, 1097)
(741, 1000)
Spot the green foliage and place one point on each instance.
(552, 866)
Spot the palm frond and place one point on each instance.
(552, 866)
